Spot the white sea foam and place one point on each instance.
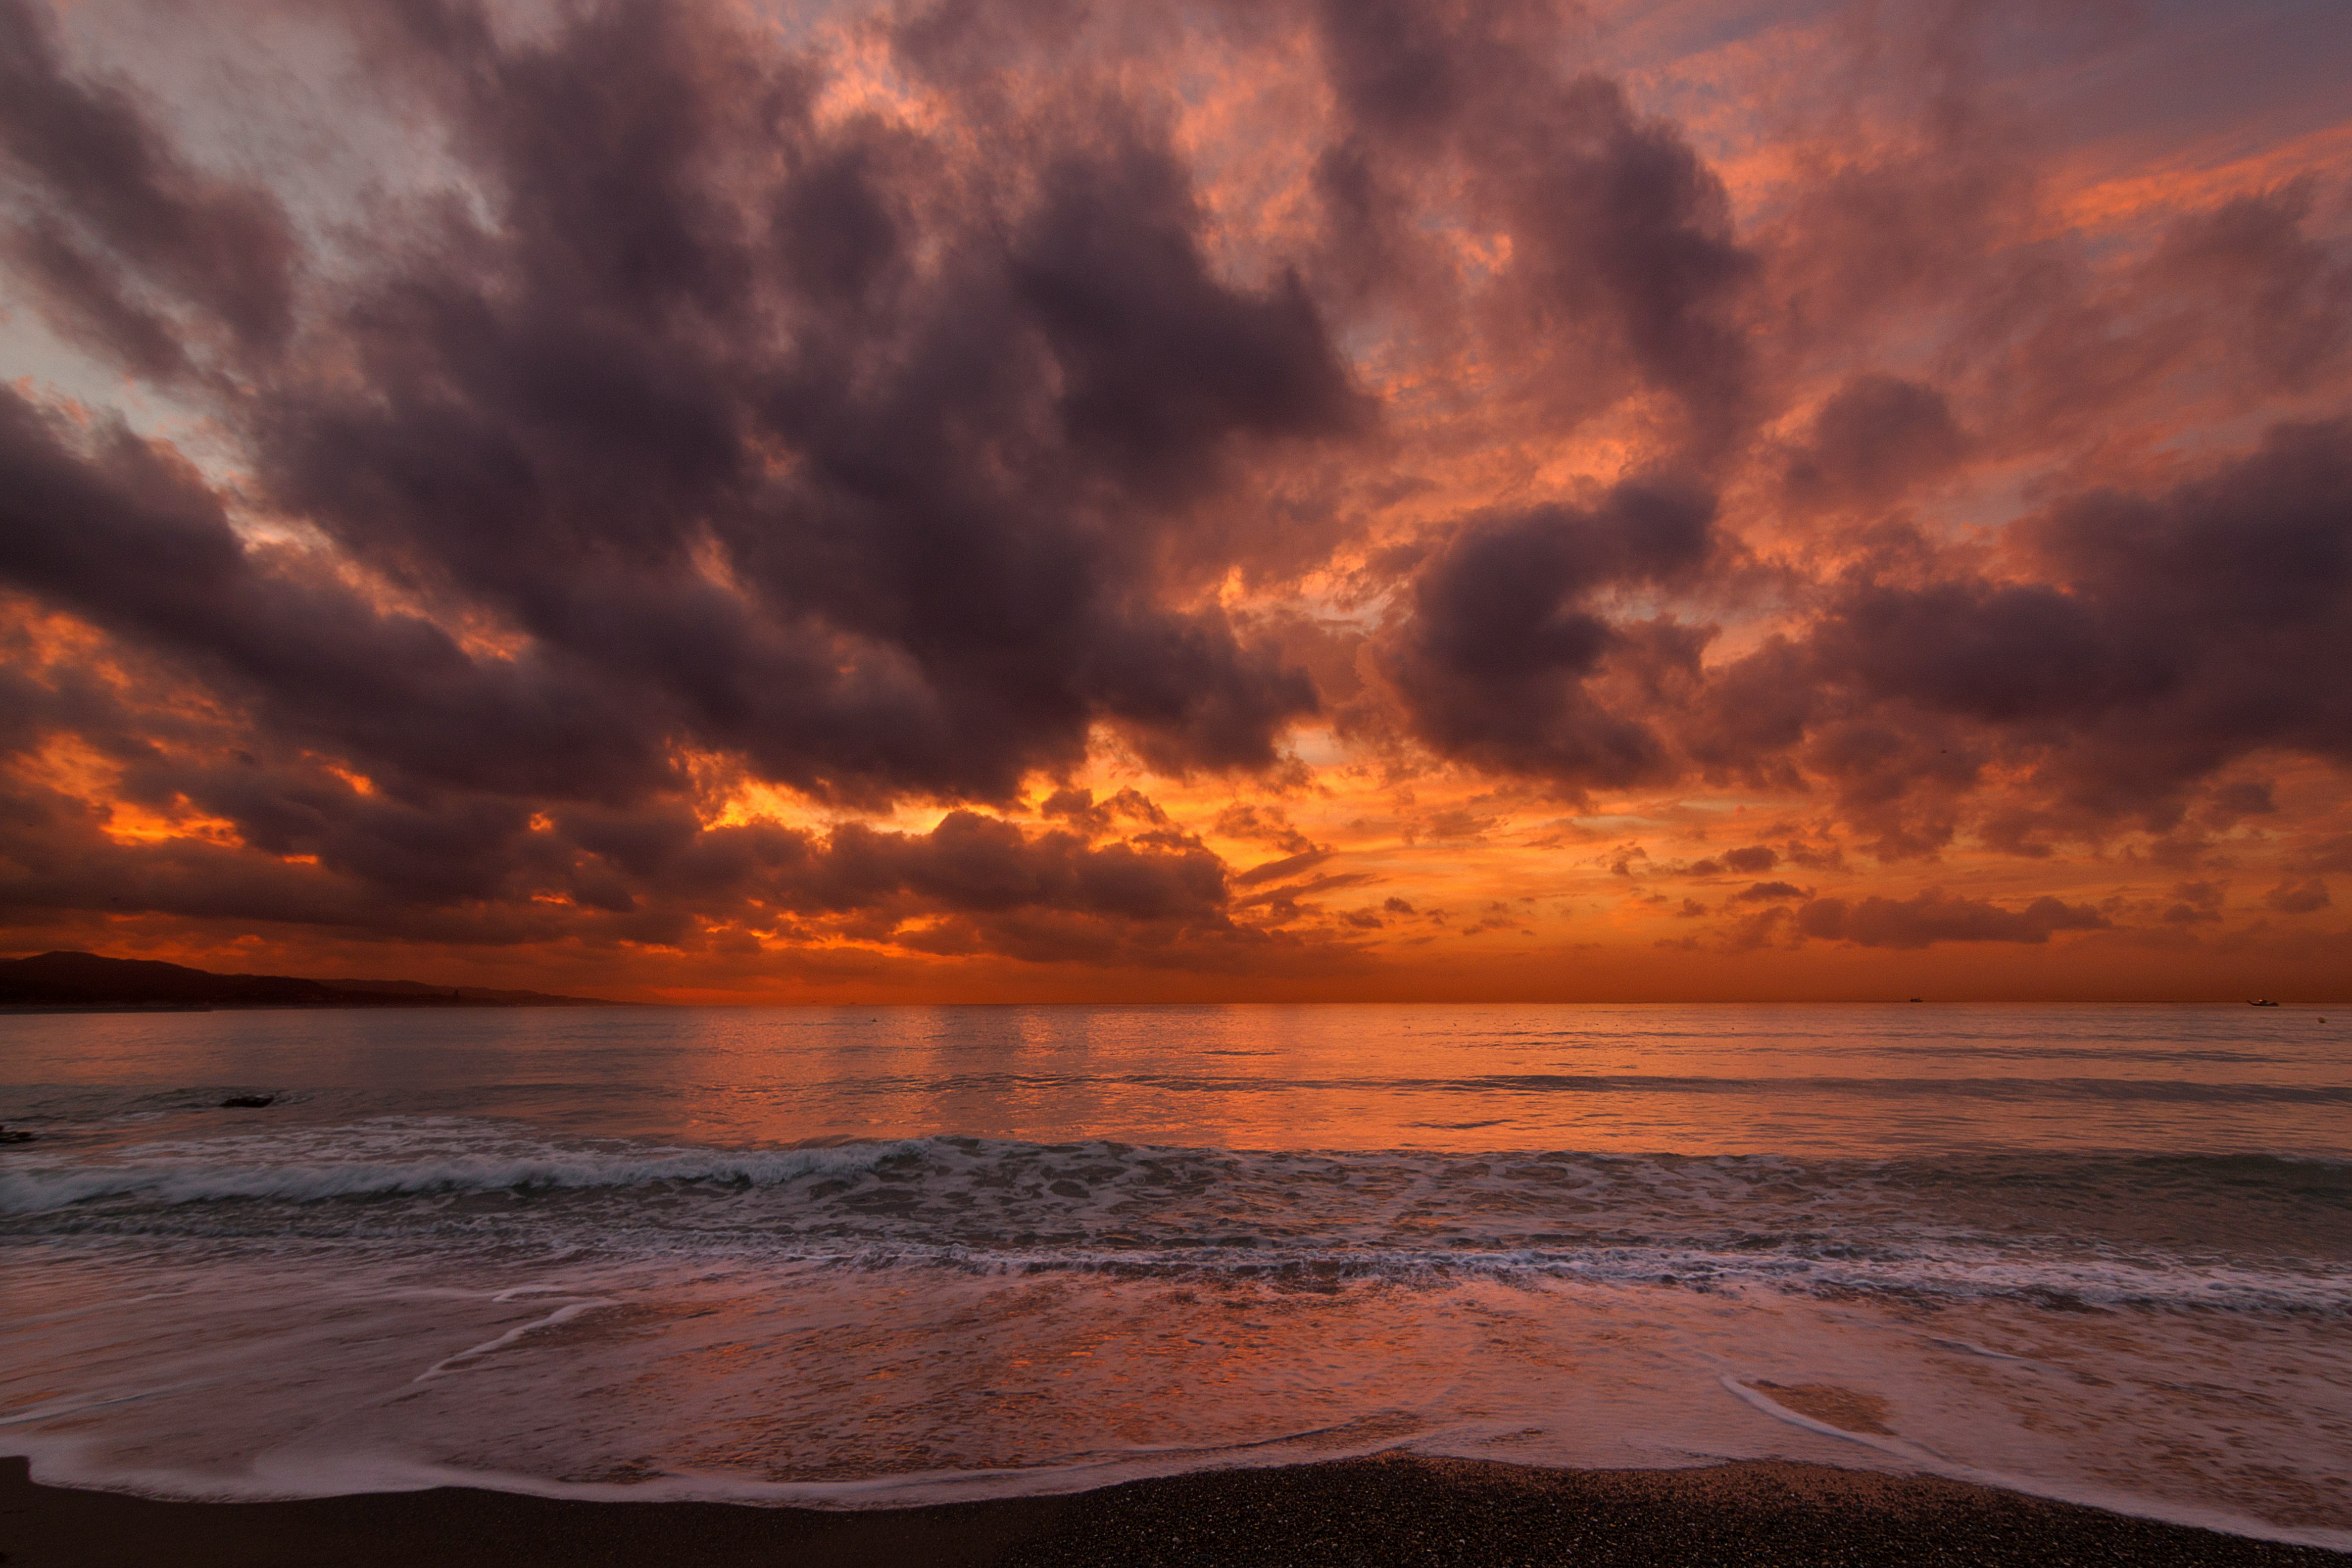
(563, 1314)
(1002, 1206)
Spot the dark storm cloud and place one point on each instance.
(1933, 916)
(1268, 824)
(718, 462)
(714, 444)
(1622, 271)
(126, 535)
(1510, 661)
(1878, 436)
(2301, 898)
(973, 883)
(132, 249)
(702, 428)
(1082, 811)
(2136, 645)
(2334, 855)
(1159, 361)
(2168, 636)
(2269, 286)
(971, 864)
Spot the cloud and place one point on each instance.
(1511, 664)
(149, 555)
(1080, 808)
(2167, 640)
(134, 251)
(2197, 903)
(1289, 865)
(972, 884)
(1878, 436)
(978, 865)
(518, 494)
(1263, 824)
(2300, 897)
(749, 476)
(1623, 276)
(1159, 361)
(1933, 916)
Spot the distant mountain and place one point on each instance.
(87, 980)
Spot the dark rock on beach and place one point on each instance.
(247, 1101)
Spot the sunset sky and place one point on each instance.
(984, 501)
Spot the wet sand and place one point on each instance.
(1391, 1509)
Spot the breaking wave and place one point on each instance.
(2063, 1229)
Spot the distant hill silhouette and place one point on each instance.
(88, 980)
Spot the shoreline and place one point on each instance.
(1394, 1508)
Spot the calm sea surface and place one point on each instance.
(871, 1256)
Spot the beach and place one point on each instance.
(1390, 1508)
(1170, 1276)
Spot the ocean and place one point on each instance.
(859, 1257)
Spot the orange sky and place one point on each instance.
(1409, 500)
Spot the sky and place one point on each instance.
(1299, 500)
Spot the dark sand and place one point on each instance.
(1392, 1509)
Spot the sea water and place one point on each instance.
(862, 1257)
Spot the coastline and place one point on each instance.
(1394, 1508)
